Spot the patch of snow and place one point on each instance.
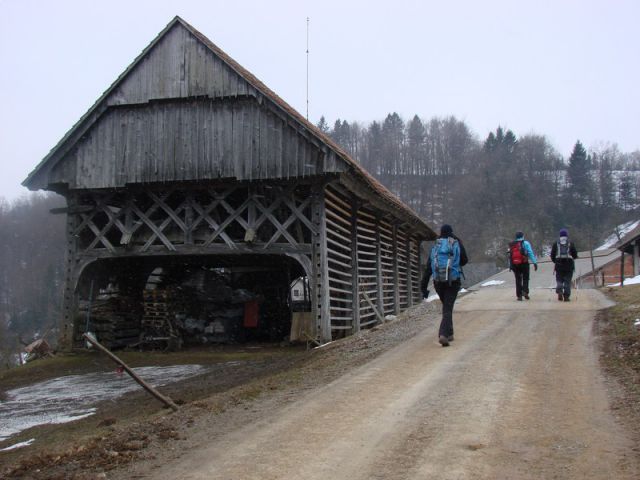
(69, 398)
(627, 281)
(491, 283)
(390, 318)
(18, 445)
(432, 297)
(637, 323)
(623, 230)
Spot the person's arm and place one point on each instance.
(554, 252)
(463, 253)
(425, 279)
(529, 251)
(573, 251)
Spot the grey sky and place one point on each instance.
(568, 69)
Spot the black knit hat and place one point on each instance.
(446, 230)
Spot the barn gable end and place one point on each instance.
(183, 111)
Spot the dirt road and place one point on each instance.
(518, 395)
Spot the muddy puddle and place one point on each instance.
(72, 397)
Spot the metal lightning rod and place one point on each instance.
(307, 68)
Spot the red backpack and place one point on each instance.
(517, 254)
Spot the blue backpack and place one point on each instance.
(445, 260)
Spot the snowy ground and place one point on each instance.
(627, 281)
(623, 230)
(73, 397)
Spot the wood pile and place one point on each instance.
(115, 321)
(158, 321)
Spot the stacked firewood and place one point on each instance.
(115, 321)
(158, 321)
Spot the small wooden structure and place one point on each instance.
(630, 245)
(189, 156)
(606, 268)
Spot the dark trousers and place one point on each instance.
(522, 279)
(563, 283)
(447, 293)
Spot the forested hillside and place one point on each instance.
(31, 270)
(490, 188)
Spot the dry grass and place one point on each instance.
(620, 347)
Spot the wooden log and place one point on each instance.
(166, 400)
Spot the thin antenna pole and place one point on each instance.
(307, 68)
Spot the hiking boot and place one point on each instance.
(526, 296)
(519, 299)
(560, 298)
(444, 341)
(566, 299)
(450, 338)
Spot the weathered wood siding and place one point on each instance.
(179, 66)
(181, 113)
(190, 140)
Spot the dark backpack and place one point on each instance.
(517, 253)
(564, 249)
(445, 260)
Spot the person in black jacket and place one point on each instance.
(563, 253)
(447, 289)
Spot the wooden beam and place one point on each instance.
(72, 210)
(396, 290)
(166, 400)
(373, 307)
(407, 246)
(214, 249)
(321, 266)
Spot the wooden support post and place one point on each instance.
(355, 278)
(66, 323)
(164, 399)
(622, 269)
(396, 276)
(321, 304)
(379, 266)
(407, 248)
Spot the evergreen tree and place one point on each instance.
(375, 144)
(580, 186)
(322, 125)
(626, 192)
(393, 143)
(415, 147)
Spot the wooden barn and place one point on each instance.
(188, 170)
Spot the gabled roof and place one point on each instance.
(98, 108)
(625, 243)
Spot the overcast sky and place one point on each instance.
(568, 69)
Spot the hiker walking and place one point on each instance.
(444, 265)
(563, 252)
(520, 256)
